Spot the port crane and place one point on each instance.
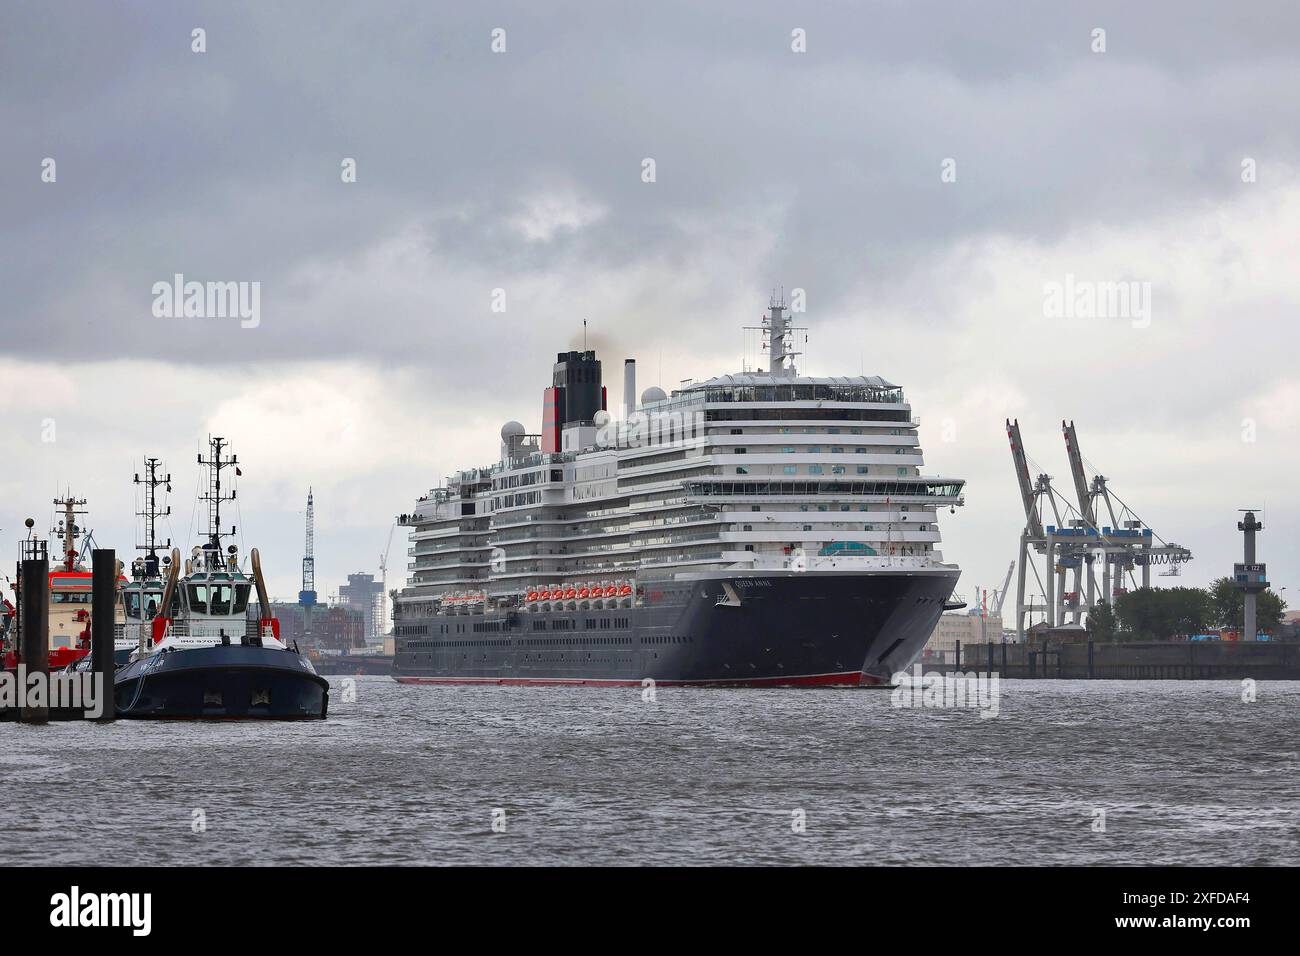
(994, 609)
(1075, 543)
(1000, 596)
(1036, 496)
(307, 596)
(1139, 546)
(383, 583)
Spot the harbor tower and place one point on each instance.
(1248, 576)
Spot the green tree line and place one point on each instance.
(1151, 614)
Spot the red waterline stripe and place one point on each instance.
(845, 679)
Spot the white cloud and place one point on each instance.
(546, 215)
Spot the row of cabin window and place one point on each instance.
(821, 470)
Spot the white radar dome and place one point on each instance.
(653, 394)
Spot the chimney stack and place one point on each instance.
(629, 388)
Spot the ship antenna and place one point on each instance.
(214, 497)
(780, 336)
(152, 513)
(68, 529)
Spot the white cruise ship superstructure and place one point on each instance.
(762, 528)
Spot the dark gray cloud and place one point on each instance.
(226, 165)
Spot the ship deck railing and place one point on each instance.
(184, 627)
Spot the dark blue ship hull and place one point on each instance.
(751, 630)
(224, 682)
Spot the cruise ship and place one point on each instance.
(757, 529)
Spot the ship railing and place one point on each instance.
(512, 536)
(213, 628)
(843, 561)
(177, 628)
(34, 549)
(679, 558)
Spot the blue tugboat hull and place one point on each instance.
(224, 682)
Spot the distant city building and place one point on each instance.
(1042, 633)
(967, 627)
(337, 628)
(365, 594)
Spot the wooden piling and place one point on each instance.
(34, 641)
(103, 604)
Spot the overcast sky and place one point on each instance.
(378, 364)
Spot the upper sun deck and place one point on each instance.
(769, 387)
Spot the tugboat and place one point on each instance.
(209, 655)
(70, 594)
(140, 599)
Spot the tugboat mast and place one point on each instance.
(214, 497)
(68, 529)
(151, 514)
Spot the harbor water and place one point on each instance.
(1077, 772)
